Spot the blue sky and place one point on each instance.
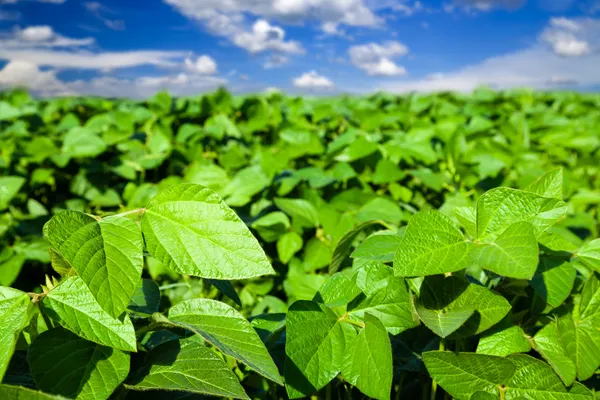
(135, 48)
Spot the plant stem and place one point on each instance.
(173, 285)
(138, 211)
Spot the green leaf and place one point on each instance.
(9, 187)
(431, 245)
(187, 366)
(316, 343)
(534, 379)
(513, 254)
(189, 229)
(65, 364)
(227, 289)
(518, 376)
(385, 296)
(368, 361)
(378, 247)
(146, 298)
(14, 316)
(443, 322)
(337, 291)
(503, 339)
(271, 226)
(554, 280)
(548, 185)
(462, 374)
(80, 142)
(21, 393)
(499, 208)
(549, 343)
(107, 254)
(228, 330)
(288, 245)
(453, 293)
(589, 254)
(301, 211)
(344, 246)
(73, 306)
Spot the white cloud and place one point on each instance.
(534, 67)
(203, 65)
(265, 36)
(46, 83)
(40, 36)
(98, 61)
(376, 59)
(348, 12)
(571, 38)
(39, 33)
(275, 60)
(27, 75)
(312, 80)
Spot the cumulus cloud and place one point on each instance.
(40, 36)
(570, 37)
(28, 75)
(46, 83)
(312, 80)
(376, 59)
(348, 12)
(265, 36)
(203, 65)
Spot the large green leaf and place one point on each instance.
(453, 293)
(368, 361)
(534, 379)
(337, 291)
(384, 296)
(65, 364)
(316, 344)
(549, 343)
(589, 254)
(107, 254)
(445, 322)
(378, 247)
(514, 253)
(186, 366)
(554, 280)
(499, 208)
(10, 392)
(14, 316)
(189, 229)
(548, 185)
(73, 306)
(504, 339)
(228, 330)
(515, 377)
(431, 245)
(462, 374)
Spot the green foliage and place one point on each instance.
(425, 246)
